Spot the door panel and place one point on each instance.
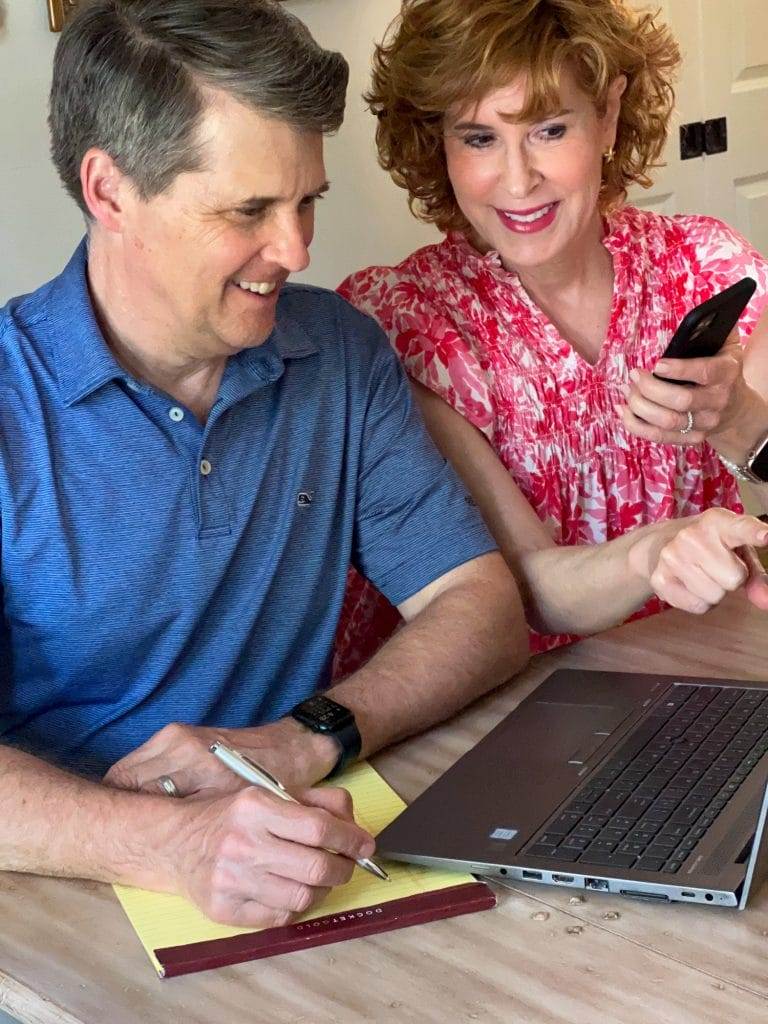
(679, 186)
(735, 52)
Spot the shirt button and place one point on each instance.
(176, 414)
(205, 467)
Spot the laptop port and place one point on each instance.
(596, 883)
(562, 878)
(532, 874)
(690, 895)
(639, 894)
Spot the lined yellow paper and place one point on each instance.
(163, 920)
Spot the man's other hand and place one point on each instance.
(296, 756)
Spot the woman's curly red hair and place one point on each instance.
(440, 54)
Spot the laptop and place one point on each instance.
(647, 786)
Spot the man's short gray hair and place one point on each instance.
(129, 78)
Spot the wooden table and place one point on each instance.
(544, 956)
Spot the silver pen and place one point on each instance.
(258, 776)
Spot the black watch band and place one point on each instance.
(323, 715)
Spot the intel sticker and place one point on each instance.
(504, 833)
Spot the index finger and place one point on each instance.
(706, 370)
(747, 531)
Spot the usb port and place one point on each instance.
(562, 878)
(596, 883)
(532, 874)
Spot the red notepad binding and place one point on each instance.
(352, 924)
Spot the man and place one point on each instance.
(191, 453)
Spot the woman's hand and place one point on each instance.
(710, 556)
(664, 412)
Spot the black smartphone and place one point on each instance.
(704, 330)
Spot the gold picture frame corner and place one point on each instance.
(59, 11)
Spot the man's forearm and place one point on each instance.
(467, 641)
(54, 823)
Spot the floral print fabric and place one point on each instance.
(466, 328)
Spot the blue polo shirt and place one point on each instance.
(157, 570)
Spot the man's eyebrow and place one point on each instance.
(264, 201)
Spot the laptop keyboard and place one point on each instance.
(649, 805)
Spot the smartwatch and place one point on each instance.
(755, 466)
(323, 715)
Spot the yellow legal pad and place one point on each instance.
(163, 920)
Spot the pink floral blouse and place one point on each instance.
(464, 327)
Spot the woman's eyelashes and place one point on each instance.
(480, 141)
(544, 133)
(552, 132)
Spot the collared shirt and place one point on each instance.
(158, 570)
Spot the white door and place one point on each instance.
(734, 49)
(679, 187)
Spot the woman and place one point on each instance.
(531, 331)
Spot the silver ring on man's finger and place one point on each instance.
(689, 424)
(170, 787)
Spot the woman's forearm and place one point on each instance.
(589, 588)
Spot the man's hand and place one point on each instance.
(295, 755)
(254, 861)
(711, 556)
(658, 411)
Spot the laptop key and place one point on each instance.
(665, 842)
(611, 833)
(613, 860)
(548, 839)
(650, 863)
(671, 828)
(575, 843)
(685, 815)
(665, 852)
(564, 824)
(601, 846)
(638, 836)
(635, 807)
(648, 825)
(579, 807)
(542, 851)
(621, 821)
(634, 848)
(672, 866)
(596, 819)
(566, 853)
(609, 803)
(590, 831)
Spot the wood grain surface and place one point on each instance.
(544, 956)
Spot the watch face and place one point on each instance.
(322, 713)
(759, 465)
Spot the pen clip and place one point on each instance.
(267, 775)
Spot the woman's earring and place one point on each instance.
(609, 155)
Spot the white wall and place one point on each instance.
(364, 220)
(39, 224)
